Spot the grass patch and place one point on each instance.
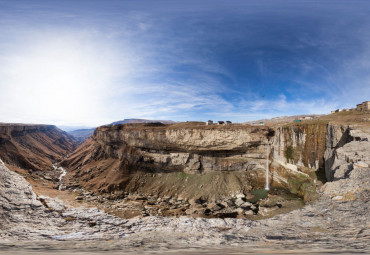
(304, 187)
(258, 195)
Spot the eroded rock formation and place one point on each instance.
(174, 148)
(326, 225)
(34, 147)
(347, 148)
(180, 159)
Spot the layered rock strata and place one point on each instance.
(178, 158)
(300, 145)
(172, 148)
(347, 148)
(34, 147)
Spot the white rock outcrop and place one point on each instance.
(347, 148)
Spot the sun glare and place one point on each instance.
(56, 77)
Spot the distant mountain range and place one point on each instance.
(128, 121)
(83, 134)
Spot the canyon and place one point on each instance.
(187, 185)
(34, 147)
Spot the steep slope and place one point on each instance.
(121, 157)
(168, 166)
(34, 147)
(28, 222)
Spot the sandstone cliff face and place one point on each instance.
(33, 147)
(130, 157)
(300, 145)
(172, 149)
(211, 161)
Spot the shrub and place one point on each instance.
(289, 153)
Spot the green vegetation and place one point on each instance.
(289, 152)
(258, 195)
(304, 187)
(183, 175)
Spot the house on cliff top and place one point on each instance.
(364, 106)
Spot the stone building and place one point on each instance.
(364, 106)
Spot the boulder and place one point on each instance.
(239, 211)
(246, 205)
(239, 201)
(240, 196)
(214, 207)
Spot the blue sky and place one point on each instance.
(77, 62)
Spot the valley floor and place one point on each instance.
(332, 224)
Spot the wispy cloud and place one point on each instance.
(73, 63)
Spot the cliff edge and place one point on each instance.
(34, 147)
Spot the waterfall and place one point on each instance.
(267, 186)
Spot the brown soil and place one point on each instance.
(361, 118)
(34, 147)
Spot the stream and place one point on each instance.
(62, 174)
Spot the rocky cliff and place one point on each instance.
(189, 160)
(28, 222)
(347, 148)
(337, 220)
(300, 145)
(123, 156)
(186, 160)
(34, 147)
(160, 148)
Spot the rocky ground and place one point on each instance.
(337, 222)
(258, 206)
(332, 223)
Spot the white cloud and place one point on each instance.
(51, 77)
(136, 67)
(67, 77)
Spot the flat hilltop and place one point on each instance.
(361, 118)
(178, 125)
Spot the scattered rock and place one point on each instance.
(240, 196)
(239, 201)
(239, 211)
(248, 213)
